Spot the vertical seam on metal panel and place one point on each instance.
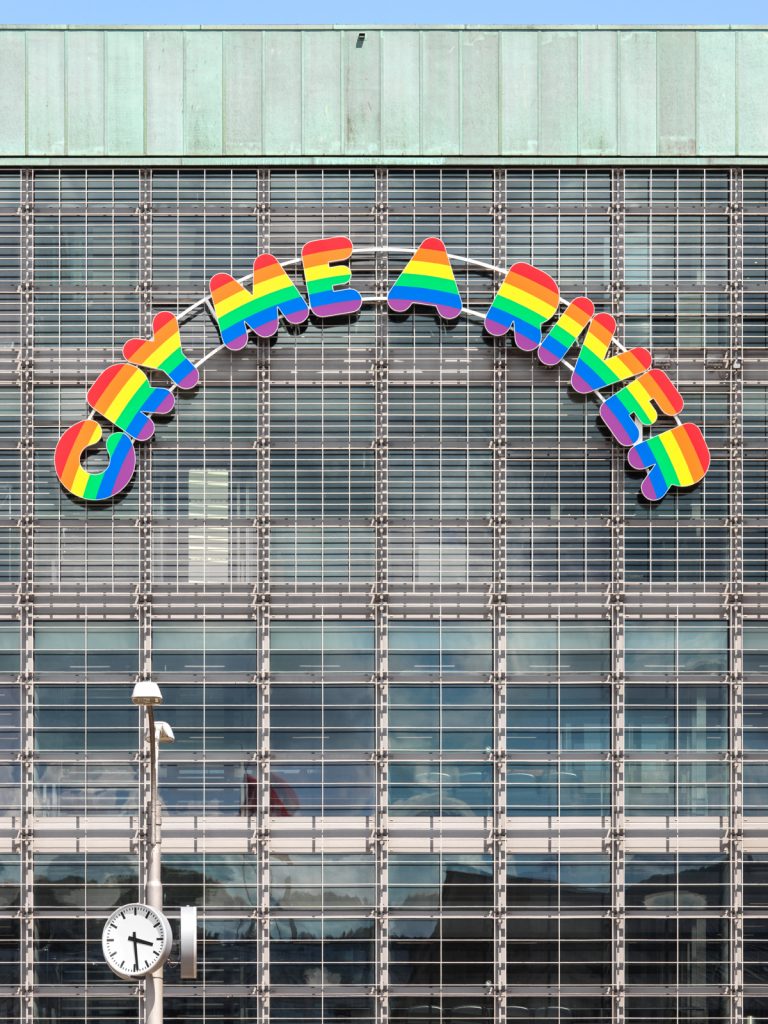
(735, 596)
(143, 595)
(617, 609)
(262, 610)
(25, 598)
(381, 597)
(499, 613)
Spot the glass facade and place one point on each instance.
(465, 729)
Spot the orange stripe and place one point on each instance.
(116, 385)
(689, 452)
(225, 289)
(326, 256)
(72, 464)
(530, 286)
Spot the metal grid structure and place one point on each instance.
(464, 730)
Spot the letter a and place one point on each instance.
(427, 280)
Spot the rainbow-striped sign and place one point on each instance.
(527, 300)
(238, 309)
(325, 276)
(163, 352)
(427, 280)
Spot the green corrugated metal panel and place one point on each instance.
(445, 94)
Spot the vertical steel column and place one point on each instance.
(617, 612)
(735, 589)
(499, 614)
(143, 594)
(381, 602)
(25, 593)
(261, 612)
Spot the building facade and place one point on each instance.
(466, 730)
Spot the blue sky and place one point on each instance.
(352, 12)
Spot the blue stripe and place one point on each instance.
(334, 297)
(526, 330)
(117, 459)
(587, 374)
(426, 296)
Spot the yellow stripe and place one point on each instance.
(637, 390)
(523, 298)
(427, 269)
(225, 306)
(124, 397)
(323, 271)
(79, 481)
(597, 348)
(166, 349)
(570, 324)
(678, 460)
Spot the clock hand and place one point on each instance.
(143, 942)
(135, 940)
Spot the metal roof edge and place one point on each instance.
(562, 162)
(390, 28)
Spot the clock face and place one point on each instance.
(136, 940)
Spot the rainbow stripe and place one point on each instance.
(123, 395)
(677, 458)
(527, 298)
(326, 296)
(428, 280)
(636, 400)
(593, 371)
(163, 352)
(564, 333)
(237, 309)
(94, 486)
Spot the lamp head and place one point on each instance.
(164, 732)
(146, 693)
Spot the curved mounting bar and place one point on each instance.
(526, 299)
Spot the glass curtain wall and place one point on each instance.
(419, 775)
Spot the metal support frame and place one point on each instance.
(617, 607)
(255, 835)
(143, 597)
(735, 589)
(499, 614)
(380, 600)
(261, 612)
(25, 593)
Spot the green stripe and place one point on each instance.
(255, 306)
(437, 284)
(134, 406)
(517, 311)
(594, 362)
(328, 282)
(659, 452)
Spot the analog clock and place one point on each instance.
(136, 940)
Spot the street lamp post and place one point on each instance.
(147, 694)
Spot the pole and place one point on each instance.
(154, 887)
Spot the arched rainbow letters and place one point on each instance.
(526, 300)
